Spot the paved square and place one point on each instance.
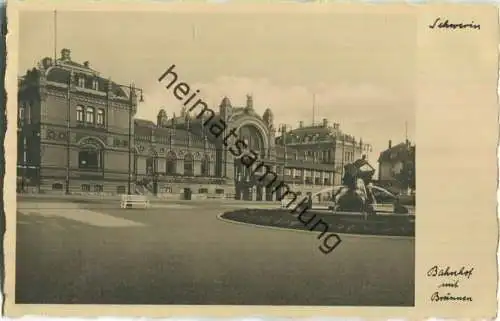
(181, 253)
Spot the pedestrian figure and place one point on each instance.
(309, 201)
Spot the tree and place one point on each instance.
(407, 175)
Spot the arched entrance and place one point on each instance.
(247, 187)
(91, 154)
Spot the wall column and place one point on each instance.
(196, 167)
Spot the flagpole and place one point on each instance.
(314, 108)
(55, 36)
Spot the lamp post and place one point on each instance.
(343, 157)
(68, 131)
(22, 138)
(133, 91)
(155, 174)
(152, 171)
(283, 129)
(284, 137)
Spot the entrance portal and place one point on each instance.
(247, 185)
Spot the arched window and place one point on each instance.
(205, 166)
(90, 158)
(79, 113)
(171, 166)
(89, 115)
(100, 117)
(188, 165)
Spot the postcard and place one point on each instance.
(238, 160)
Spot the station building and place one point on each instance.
(77, 134)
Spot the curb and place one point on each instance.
(219, 217)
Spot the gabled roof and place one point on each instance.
(400, 152)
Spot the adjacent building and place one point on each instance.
(77, 134)
(397, 166)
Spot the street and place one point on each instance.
(180, 252)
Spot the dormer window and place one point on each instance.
(95, 84)
(81, 81)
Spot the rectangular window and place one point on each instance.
(100, 117)
(85, 188)
(95, 85)
(57, 186)
(203, 191)
(98, 188)
(150, 166)
(89, 159)
(81, 81)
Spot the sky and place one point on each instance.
(360, 67)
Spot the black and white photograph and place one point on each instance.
(213, 158)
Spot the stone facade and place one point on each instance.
(77, 134)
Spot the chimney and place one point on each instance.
(390, 143)
(325, 122)
(86, 64)
(301, 124)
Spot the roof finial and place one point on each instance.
(249, 101)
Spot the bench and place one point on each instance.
(129, 201)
